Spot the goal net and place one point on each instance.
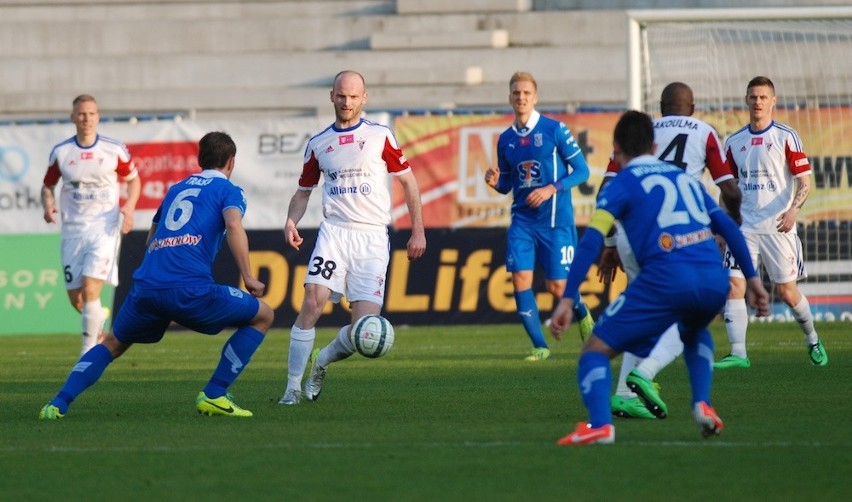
(805, 52)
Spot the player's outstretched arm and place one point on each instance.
(731, 199)
(757, 297)
(561, 318)
(417, 243)
(787, 219)
(295, 212)
(608, 265)
(48, 202)
(128, 210)
(238, 243)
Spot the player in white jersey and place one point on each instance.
(90, 166)
(352, 252)
(692, 145)
(775, 177)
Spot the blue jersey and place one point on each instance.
(190, 230)
(665, 214)
(540, 154)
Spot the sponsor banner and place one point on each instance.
(33, 298)
(268, 165)
(450, 155)
(462, 279)
(823, 308)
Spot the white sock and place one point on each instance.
(107, 312)
(301, 344)
(628, 362)
(802, 314)
(736, 323)
(338, 349)
(93, 322)
(666, 350)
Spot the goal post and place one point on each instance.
(805, 51)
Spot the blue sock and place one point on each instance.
(235, 355)
(86, 372)
(528, 313)
(699, 363)
(580, 310)
(595, 378)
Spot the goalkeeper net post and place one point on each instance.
(805, 51)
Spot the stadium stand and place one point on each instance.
(230, 57)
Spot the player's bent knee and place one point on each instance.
(789, 293)
(737, 290)
(264, 318)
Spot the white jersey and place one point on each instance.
(355, 163)
(688, 143)
(766, 164)
(88, 201)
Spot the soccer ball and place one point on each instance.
(372, 336)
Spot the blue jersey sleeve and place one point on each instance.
(504, 181)
(235, 197)
(573, 157)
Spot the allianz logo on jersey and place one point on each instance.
(770, 186)
(79, 196)
(363, 189)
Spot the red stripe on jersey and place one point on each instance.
(612, 167)
(310, 173)
(394, 158)
(714, 161)
(796, 161)
(51, 178)
(125, 169)
(732, 165)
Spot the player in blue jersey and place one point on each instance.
(670, 221)
(175, 284)
(539, 162)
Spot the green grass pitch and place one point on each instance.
(451, 413)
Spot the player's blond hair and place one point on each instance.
(83, 98)
(522, 76)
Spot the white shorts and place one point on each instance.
(351, 260)
(780, 254)
(94, 256)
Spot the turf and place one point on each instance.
(451, 413)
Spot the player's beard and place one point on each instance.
(348, 115)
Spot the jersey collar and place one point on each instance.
(772, 123)
(211, 173)
(642, 160)
(529, 126)
(334, 127)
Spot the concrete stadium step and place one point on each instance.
(495, 39)
(191, 10)
(455, 6)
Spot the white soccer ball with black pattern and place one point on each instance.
(372, 336)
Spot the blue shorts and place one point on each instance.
(146, 313)
(552, 248)
(634, 321)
